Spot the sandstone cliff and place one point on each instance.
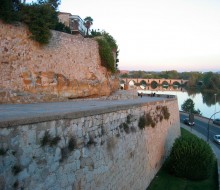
(68, 67)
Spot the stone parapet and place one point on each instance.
(96, 149)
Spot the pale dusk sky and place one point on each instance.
(157, 35)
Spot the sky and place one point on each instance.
(157, 35)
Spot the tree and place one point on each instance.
(40, 18)
(9, 10)
(62, 28)
(88, 22)
(188, 106)
(95, 33)
(53, 3)
(211, 81)
(191, 158)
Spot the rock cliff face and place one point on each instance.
(68, 67)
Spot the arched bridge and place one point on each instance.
(160, 82)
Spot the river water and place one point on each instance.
(207, 103)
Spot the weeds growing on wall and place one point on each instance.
(48, 140)
(105, 52)
(72, 143)
(128, 119)
(3, 151)
(142, 122)
(40, 17)
(91, 141)
(165, 112)
(147, 119)
(16, 169)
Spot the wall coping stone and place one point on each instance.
(15, 115)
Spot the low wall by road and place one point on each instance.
(104, 149)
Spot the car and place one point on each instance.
(216, 121)
(216, 138)
(188, 122)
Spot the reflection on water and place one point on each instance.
(204, 101)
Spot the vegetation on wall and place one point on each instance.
(48, 140)
(107, 47)
(40, 17)
(151, 119)
(9, 10)
(105, 52)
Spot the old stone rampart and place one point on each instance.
(68, 67)
(101, 149)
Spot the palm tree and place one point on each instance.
(88, 21)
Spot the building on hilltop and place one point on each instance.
(74, 22)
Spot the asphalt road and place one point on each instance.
(201, 126)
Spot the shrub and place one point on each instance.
(149, 120)
(191, 158)
(142, 122)
(126, 128)
(46, 139)
(165, 112)
(9, 11)
(91, 141)
(105, 52)
(40, 19)
(62, 28)
(54, 141)
(16, 169)
(72, 144)
(128, 121)
(3, 151)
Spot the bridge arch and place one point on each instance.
(165, 84)
(154, 84)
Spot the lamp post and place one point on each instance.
(208, 125)
(215, 103)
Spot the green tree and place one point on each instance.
(211, 81)
(111, 41)
(188, 106)
(9, 10)
(95, 33)
(40, 18)
(105, 52)
(88, 22)
(191, 158)
(62, 28)
(173, 74)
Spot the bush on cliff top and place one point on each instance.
(40, 17)
(105, 52)
(191, 158)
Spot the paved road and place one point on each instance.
(14, 114)
(201, 126)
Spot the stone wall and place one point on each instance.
(68, 67)
(103, 151)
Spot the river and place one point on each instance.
(207, 103)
